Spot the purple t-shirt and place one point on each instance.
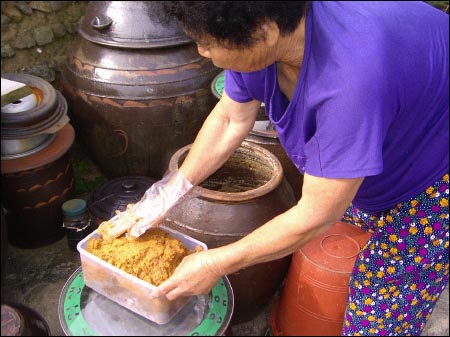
(371, 98)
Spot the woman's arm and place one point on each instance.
(221, 134)
(322, 204)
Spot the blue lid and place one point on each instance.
(74, 207)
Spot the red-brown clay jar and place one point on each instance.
(314, 296)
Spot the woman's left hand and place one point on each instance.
(197, 274)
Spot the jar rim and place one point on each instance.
(264, 189)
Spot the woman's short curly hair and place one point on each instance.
(233, 23)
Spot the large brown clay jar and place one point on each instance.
(245, 193)
(136, 87)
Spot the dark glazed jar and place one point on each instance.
(36, 174)
(4, 239)
(33, 189)
(263, 134)
(116, 194)
(245, 193)
(137, 89)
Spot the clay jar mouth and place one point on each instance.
(250, 172)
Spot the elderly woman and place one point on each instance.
(358, 93)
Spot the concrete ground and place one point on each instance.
(36, 278)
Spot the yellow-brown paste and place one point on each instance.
(152, 257)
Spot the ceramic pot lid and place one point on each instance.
(116, 194)
(45, 111)
(129, 24)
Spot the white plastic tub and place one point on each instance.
(128, 290)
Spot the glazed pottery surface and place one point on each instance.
(245, 193)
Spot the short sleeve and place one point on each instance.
(236, 88)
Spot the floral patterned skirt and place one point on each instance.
(400, 273)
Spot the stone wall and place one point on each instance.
(37, 35)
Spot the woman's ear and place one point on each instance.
(271, 33)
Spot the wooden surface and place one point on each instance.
(13, 91)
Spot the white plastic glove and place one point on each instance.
(157, 201)
(150, 211)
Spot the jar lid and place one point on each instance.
(116, 194)
(74, 207)
(45, 111)
(12, 321)
(130, 24)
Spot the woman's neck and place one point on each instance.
(291, 48)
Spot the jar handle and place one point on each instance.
(101, 22)
(123, 135)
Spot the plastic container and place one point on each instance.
(128, 290)
(76, 221)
